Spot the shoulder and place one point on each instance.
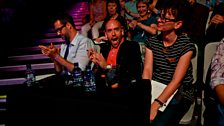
(221, 45)
(184, 39)
(83, 38)
(63, 46)
(80, 39)
(185, 44)
(154, 39)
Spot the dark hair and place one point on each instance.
(144, 2)
(118, 5)
(180, 10)
(64, 18)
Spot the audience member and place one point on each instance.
(168, 60)
(123, 10)
(123, 54)
(197, 24)
(131, 10)
(124, 81)
(214, 95)
(97, 15)
(113, 12)
(74, 48)
(144, 26)
(215, 29)
(154, 5)
(214, 3)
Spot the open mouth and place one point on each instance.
(114, 39)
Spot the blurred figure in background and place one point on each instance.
(215, 29)
(144, 26)
(97, 15)
(113, 12)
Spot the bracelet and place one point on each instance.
(160, 103)
(57, 57)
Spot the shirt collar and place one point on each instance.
(74, 41)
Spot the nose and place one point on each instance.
(113, 32)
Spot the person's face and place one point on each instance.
(114, 32)
(61, 30)
(167, 22)
(112, 8)
(142, 9)
(122, 3)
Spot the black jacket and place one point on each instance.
(129, 60)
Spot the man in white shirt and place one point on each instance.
(77, 45)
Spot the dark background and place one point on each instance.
(23, 22)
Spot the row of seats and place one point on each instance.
(209, 51)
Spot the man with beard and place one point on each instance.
(74, 48)
(120, 53)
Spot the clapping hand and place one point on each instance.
(96, 58)
(50, 51)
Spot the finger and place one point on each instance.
(42, 47)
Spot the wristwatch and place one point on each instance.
(108, 67)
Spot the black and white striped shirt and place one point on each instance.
(165, 60)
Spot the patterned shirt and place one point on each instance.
(217, 66)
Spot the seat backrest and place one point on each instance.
(194, 62)
(209, 51)
(189, 115)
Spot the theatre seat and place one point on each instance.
(189, 115)
(210, 49)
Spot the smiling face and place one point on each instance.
(142, 8)
(167, 22)
(114, 32)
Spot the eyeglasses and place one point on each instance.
(164, 19)
(60, 28)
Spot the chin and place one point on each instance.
(115, 45)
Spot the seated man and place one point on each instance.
(73, 50)
(117, 52)
(122, 82)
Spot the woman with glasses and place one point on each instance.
(168, 61)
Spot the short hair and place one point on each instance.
(180, 10)
(144, 2)
(117, 3)
(64, 18)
